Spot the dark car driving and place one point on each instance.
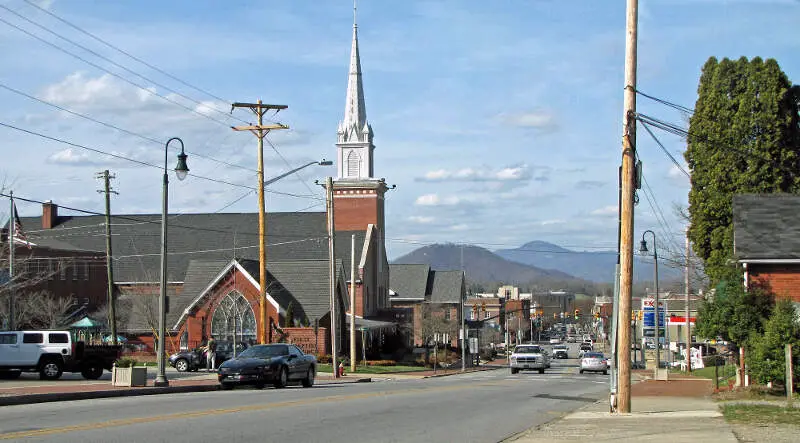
(278, 364)
(196, 358)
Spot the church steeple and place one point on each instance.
(354, 141)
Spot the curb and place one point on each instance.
(24, 399)
(89, 395)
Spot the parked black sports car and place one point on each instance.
(196, 359)
(278, 364)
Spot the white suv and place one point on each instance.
(42, 351)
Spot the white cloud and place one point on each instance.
(606, 211)
(551, 222)
(435, 200)
(506, 174)
(70, 156)
(542, 120)
(421, 219)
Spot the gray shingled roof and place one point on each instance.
(303, 281)
(765, 226)
(199, 275)
(136, 240)
(447, 286)
(409, 281)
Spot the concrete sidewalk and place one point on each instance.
(661, 411)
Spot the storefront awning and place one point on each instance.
(365, 324)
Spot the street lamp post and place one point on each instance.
(643, 250)
(181, 170)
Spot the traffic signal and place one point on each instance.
(577, 314)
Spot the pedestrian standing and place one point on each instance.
(211, 354)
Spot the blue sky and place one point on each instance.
(499, 122)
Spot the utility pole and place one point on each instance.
(12, 231)
(261, 130)
(332, 270)
(353, 303)
(688, 312)
(461, 314)
(112, 308)
(626, 210)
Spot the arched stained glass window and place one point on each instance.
(233, 319)
(353, 164)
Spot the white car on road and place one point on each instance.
(529, 357)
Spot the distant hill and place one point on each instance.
(592, 266)
(482, 265)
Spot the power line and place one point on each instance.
(141, 221)
(118, 156)
(487, 245)
(205, 251)
(666, 228)
(666, 151)
(98, 39)
(102, 57)
(659, 100)
(109, 125)
(148, 90)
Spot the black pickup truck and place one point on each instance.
(51, 353)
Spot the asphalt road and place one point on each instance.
(474, 407)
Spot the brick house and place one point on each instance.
(426, 302)
(766, 241)
(58, 269)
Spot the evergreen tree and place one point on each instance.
(767, 351)
(743, 138)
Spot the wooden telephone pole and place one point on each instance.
(112, 303)
(261, 130)
(626, 212)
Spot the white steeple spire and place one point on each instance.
(354, 139)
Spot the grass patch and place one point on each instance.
(373, 369)
(761, 414)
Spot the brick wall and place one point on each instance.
(782, 280)
(355, 211)
(306, 340)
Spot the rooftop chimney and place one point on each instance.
(49, 215)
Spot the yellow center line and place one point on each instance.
(251, 408)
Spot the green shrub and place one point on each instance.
(381, 363)
(126, 362)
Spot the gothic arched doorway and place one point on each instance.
(233, 319)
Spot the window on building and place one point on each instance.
(62, 269)
(75, 270)
(86, 270)
(473, 315)
(487, 314)
(234, 317)
(447, 314)
(353, 164)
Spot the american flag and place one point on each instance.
(18, 234)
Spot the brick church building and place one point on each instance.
(217, 293)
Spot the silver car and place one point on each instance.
(594, 362)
